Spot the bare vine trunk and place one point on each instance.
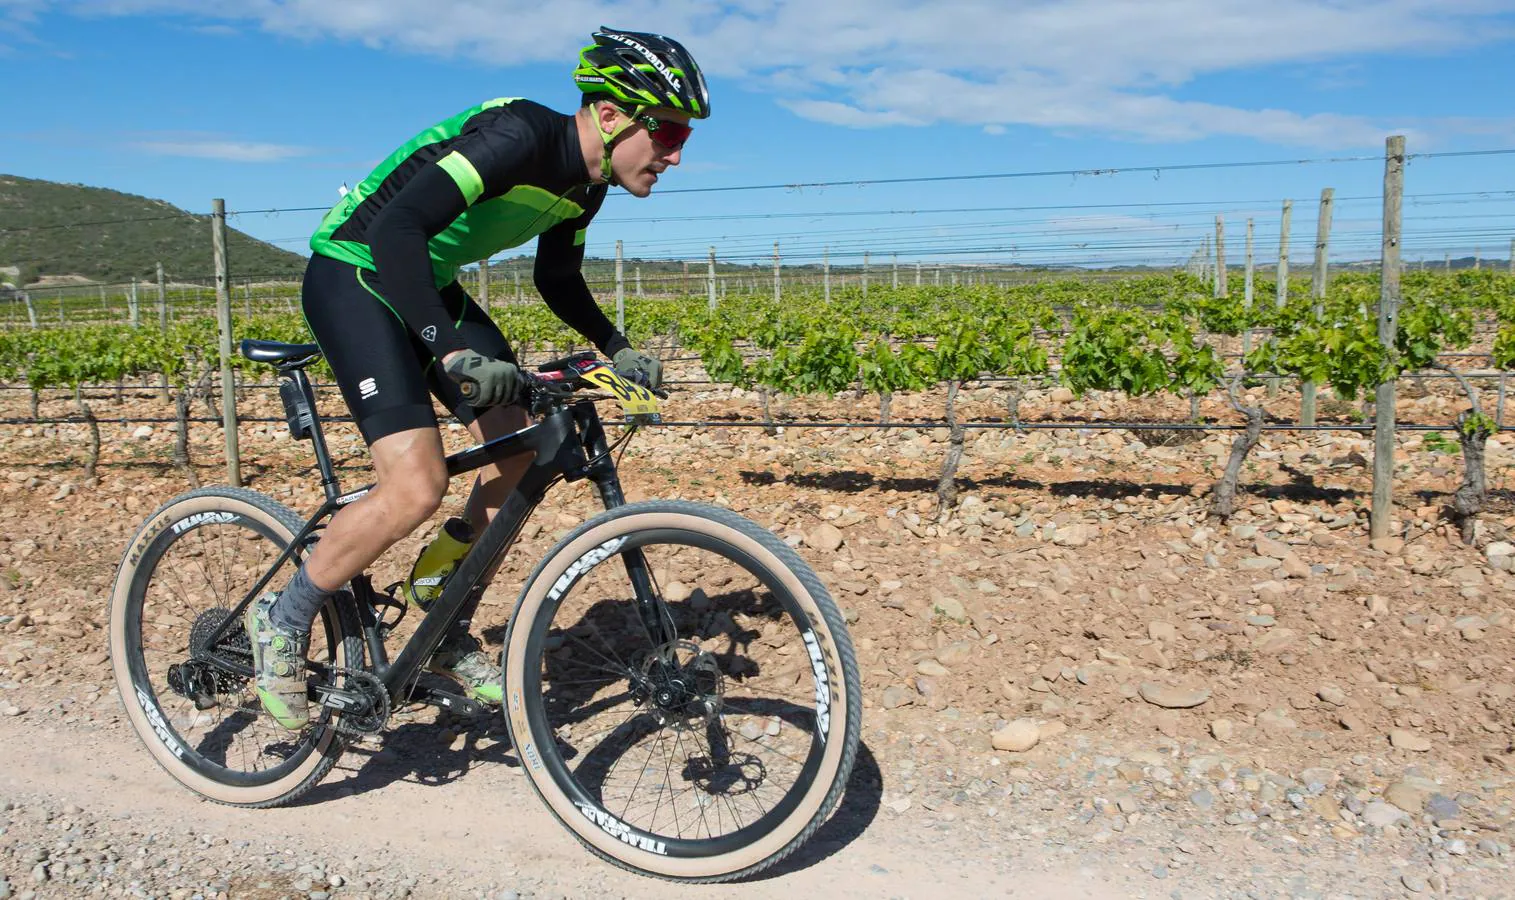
(36, 399)
(181, 442)
(763, 398)
(1013, 402)
(93, 461)
(1467, 502)
(946, 486)
(885, 400)
(1473, 432)
(1223, 497)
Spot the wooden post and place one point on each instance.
(517, 274)
(247, 299)
(1282, 272)
(1388, 326)
(31, 311)
(637, 273)
(1309, 389)
(1477, 258)
(918, 269)
(777, 291)
(1246, 334)
(133, 314)
(162, 302)
(826, 270)
(710, 279)
(1512, 257)
(1446, 263)
(620, 291)
(484, 284)
(865, 274)
(895, 268)
(1220, 257)
(223, 321)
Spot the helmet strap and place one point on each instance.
(608, 139)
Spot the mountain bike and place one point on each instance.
(680, 689)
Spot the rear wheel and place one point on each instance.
(701, 758)
(184, 572)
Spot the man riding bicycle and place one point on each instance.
(382, 299)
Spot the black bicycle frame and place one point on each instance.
(568, 442)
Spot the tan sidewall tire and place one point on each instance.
(320, 759)
(515, 655)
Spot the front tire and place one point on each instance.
(705, 758)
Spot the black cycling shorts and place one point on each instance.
(387, 375)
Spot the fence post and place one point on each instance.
(162, 302)
(865, 274)
(223, 321)
(711, 278)
(636, 272)
(1388, 326)
(895, 267)
(484, 284)
(133, 315)
(1220, 257)
(918, 269)
(1309, 389)
(826, 270)
(777, 291)
(1246, 334)
(620, 292)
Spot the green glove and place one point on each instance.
(638, 367)
(484, 380)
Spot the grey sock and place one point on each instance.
(298, 603)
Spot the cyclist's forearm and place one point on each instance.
(570, 300)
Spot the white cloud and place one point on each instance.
(227, 151)
(1087, 66)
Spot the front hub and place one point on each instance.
(683, 684)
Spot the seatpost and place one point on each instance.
(317, 437)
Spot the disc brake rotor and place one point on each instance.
(683, 685)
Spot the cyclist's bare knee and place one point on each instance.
(412, 477)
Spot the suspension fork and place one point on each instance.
(650, 606)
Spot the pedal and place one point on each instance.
(456, 704)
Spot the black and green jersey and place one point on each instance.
(490, 178)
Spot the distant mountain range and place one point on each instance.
(53, 229)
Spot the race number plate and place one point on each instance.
(636, 401)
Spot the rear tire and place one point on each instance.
(190, 565)
(760, 687)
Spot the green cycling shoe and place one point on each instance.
(464, 660)
(278, 664)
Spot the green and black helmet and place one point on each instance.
(641, 70)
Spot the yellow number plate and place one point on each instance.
(635, 399)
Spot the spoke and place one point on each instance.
(651, 746)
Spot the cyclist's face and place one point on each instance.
(638, 160)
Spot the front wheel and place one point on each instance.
(186, 571)
(702, 751)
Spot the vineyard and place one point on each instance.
(1136, 337)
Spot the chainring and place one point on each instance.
(368, 684)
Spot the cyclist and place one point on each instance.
(381, 297)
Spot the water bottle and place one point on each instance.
(437, 563)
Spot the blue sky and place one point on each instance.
(274, 103)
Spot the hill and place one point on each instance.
(48, 228)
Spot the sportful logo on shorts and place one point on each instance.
(430, 333)
(368, 388)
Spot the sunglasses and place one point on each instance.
(668, 135)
